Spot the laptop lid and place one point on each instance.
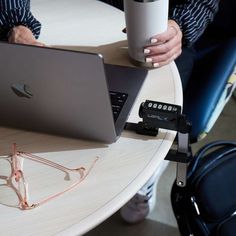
(57, 91)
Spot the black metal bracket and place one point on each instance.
(157, 115)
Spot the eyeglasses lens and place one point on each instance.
(5, 167)
(8, 195)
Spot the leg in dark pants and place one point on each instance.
(115, 3)
(185, 64)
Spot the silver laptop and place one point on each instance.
(65, 92)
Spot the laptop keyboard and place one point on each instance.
(117, 101)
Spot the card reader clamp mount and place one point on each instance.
(157, 115)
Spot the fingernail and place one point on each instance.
(146, 51)
(156, 64)
(148, 59)
(153, 40)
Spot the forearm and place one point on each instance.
(14, 13)
(193, 17)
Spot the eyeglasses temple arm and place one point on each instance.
(47, 162)
(66, 190)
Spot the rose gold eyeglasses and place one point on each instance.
(14, 186)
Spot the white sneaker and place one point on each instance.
(143, 201)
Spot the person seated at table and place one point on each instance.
(17, 23)
(187, 21)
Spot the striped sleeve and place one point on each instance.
(17, 12)
(193, 17)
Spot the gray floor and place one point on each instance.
(161, 221)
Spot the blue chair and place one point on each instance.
(212, 84)
(213, 78)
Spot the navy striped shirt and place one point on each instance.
(17, 12)
(193, 16)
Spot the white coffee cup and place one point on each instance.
(144, 19)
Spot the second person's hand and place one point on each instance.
(23, 35)
(164, 47)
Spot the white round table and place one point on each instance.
(123, 167)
